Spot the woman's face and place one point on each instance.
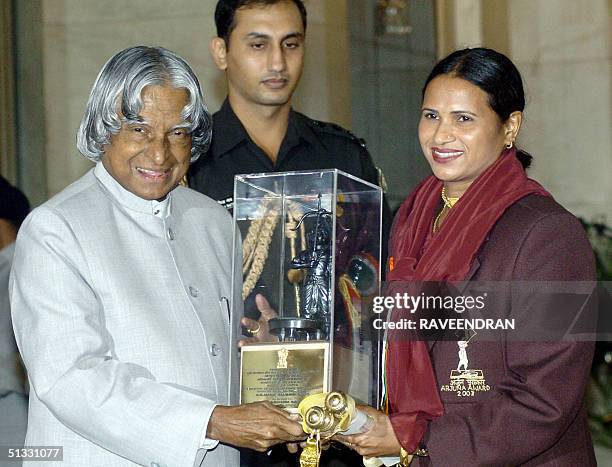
(459, 132)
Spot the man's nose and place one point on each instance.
(159, 149)
(276, 59)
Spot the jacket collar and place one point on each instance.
(130, 200)
(228, 131)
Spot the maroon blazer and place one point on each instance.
(533, 412)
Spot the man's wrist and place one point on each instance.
(211, 427)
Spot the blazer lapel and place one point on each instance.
(459, 288)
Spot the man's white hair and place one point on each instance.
(116, 98)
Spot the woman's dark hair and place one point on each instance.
(492, 72)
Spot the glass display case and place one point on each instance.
(311, 249)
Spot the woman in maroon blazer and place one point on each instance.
(479, 218)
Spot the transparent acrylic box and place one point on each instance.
(311, 246)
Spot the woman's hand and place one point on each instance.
(380, 440)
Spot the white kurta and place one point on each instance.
(118, 318)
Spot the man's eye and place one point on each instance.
(292, 45)
(464, 118)
(430, 116)
(257, 45)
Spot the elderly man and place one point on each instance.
(118, 283)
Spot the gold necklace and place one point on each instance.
(449, 202)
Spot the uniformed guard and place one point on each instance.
(260, 46)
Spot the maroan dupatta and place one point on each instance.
(412, 393)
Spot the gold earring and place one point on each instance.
(509, 145)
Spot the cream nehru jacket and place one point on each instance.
(117, 316)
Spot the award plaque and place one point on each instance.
(283, 373)
(311, 246)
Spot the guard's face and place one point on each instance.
(265, 56)
(150, 158)
(460, 134)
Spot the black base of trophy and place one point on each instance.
(295, 329)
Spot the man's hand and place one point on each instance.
(380, 440)
(258, 426)
(259, 329)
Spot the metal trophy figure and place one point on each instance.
(314, 316)
(316, 261)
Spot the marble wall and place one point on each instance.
(562, 48)
(8, 167)
(80, 35)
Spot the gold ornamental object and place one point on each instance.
(323, 415)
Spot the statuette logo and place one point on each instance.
(282, 358)
(464, 381)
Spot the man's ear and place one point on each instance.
(218, 50)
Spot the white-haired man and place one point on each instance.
(117, 284)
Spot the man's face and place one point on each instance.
(151, 157)
(265, 54)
